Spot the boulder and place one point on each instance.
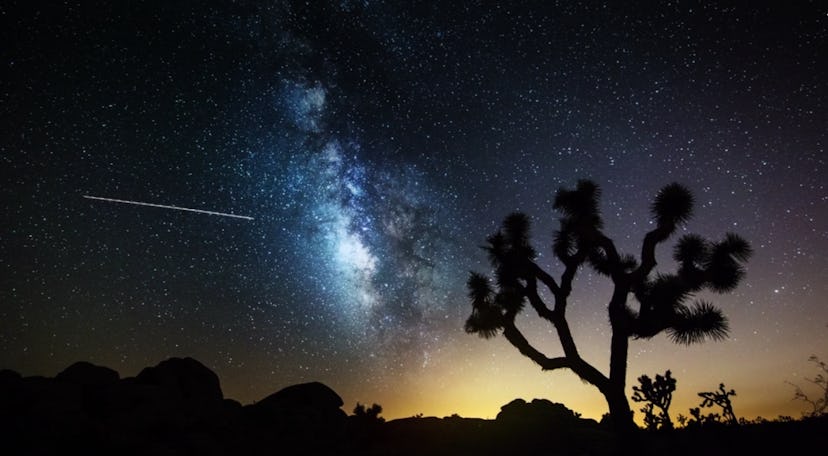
(307, 415)
(192, 381)
(176, 394)
(88, 374)
(540, 412)
(312, 395)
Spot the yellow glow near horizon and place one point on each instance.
(493, 374)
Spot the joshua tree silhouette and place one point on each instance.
(722, 399)
(371, 413)
(662, 300)
(658, 393)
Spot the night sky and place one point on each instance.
(375, 145)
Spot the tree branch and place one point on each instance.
(571, 359)
(568, 275)
(544, 277)
(609, 248)
(557, 317)
(648, 261)
(515, 337)
(531, 292)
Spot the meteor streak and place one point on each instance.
(163, 206)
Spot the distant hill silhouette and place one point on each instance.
(177, 408)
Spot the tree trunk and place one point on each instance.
(615, 394)
(619, 409)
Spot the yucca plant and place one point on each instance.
(661, 303)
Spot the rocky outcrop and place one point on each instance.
(306, 396)
(307, 415)
(192, 382)
(88, 374)
(174, 407)
(540, 412)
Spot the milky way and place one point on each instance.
(375, 145)
(365, 234)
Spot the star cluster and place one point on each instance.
(376, 145)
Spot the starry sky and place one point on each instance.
(374, 146)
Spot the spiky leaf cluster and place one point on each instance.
(597, 258)
(692, 252)
(581, 203)
(580, 223)
(661, 299)
(695, 323)
(673, 205)
(516, 233)
(725, 267)
(509, 250)
(664, 308)
(486, 318)
(717, 266)
(510, 254)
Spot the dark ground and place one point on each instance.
(177, 408)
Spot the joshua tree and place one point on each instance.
(662, 301)
(658, 393)
(368, 414)
(722, 399)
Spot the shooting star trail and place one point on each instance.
(164, 206)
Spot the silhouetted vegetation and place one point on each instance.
(177, 408)
(720, 398)
(819, 405)
(368, 414)
(656, 394)
(365, 427)
(662, 300)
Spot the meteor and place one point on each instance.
(164, 206)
